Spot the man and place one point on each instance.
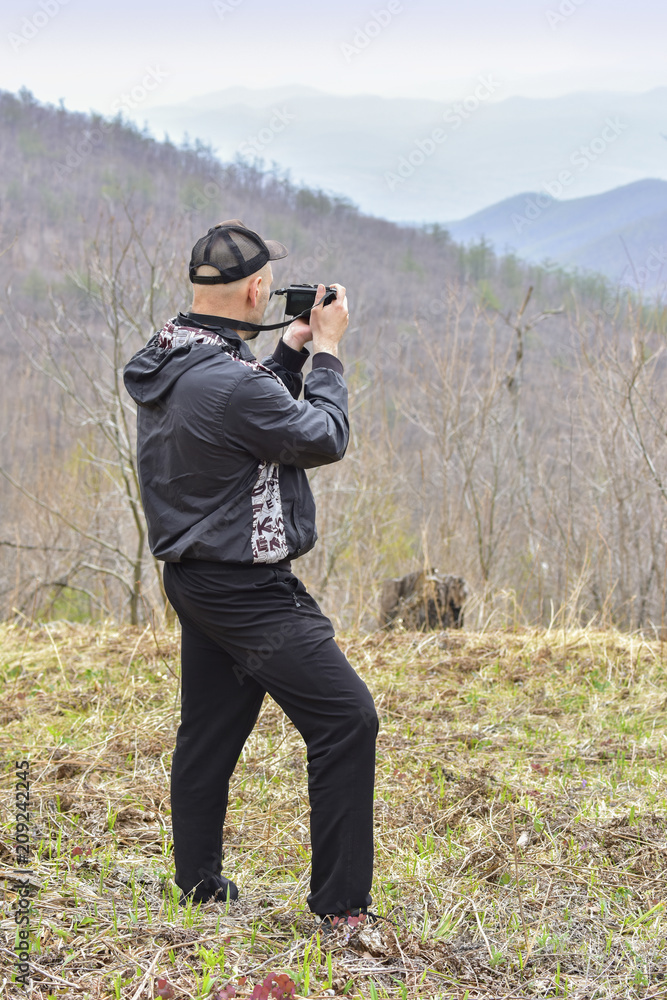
(223, 445)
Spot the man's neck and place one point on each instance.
(215, 319)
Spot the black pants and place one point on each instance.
(246, 631)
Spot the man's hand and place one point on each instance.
(297, 334)
(329, 323)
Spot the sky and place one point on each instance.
(91, 55)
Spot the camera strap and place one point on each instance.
(237, 324)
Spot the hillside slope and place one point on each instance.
(63, 174)
(454, 458)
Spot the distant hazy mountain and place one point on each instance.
(426, 161)
(621, 233)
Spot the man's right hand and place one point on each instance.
(329, 323)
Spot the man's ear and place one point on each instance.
(253, 290)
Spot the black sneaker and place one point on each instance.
(215, 887)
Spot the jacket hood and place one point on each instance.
(151, 373)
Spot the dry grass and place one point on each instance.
(521, 822)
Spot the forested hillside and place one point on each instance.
(514, 437)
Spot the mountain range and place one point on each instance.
(621, 233)
(419, 161)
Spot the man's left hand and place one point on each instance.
(297, 334)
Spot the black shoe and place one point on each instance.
(215, 887)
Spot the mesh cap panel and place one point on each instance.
(234, 251)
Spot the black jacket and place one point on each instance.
(223, 442)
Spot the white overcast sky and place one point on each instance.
(88, 53)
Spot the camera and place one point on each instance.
(301, 299)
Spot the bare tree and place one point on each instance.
(98, 317)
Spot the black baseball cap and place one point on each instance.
(233, 250)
